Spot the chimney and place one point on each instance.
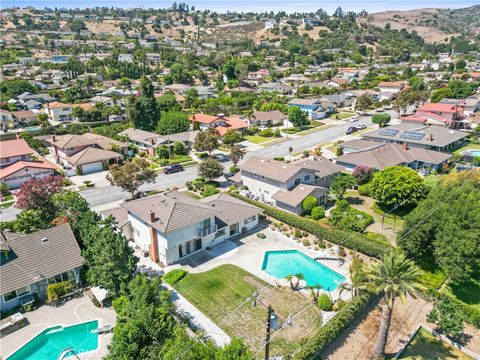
(429, 137)
(193, 117)
(151, 216)
(405, 146)
(54, 138)
(152, 141)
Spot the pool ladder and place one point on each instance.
(66, 352)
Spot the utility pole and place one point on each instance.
(267, 338)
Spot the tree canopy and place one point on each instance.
(131, 175)
(210, 169)
(173, 122)
(451, 234)
(397, 186)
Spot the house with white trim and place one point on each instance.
(171, 226)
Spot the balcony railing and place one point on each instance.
(207, 231)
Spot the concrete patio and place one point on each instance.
(73, 312)
(248, 253)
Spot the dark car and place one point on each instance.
(173, 169)
(221, 157)
(351, 130)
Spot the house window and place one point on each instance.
(250, 219)
(10, 296)
(297, 181)
(220, 233)
(205, 224)
(22, 291)
(306, 178)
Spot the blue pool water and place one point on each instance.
(475, 153)
(282, 263)
(51, 342)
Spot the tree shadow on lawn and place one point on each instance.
(355, 200)
(468, 291)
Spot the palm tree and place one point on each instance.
(344, 287)
(395, 276)
(315, 292)
(299, 277)
(290, 278)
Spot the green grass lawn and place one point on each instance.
(6, 204)
(426, 346)
(218, 292)
(432, 180)
(467, 292)
(257, 139)
(467, 147)
(341, 116)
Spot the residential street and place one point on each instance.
(104, 196)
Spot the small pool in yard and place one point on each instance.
(474, 153)
(52, 342)
(282, 263)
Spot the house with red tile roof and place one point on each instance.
(441, 114)
(220, 122)
(19, 163)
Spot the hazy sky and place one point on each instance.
(251, 5)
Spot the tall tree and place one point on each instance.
(236, 154)
(340, 184)
(131, 175)
(143, 110)
(173, 122)
(394, 277)
(363, 103)
(36, 194)
(297, 116)
(210, 169)
(207, 140)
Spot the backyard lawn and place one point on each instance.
(467, 292)
(220, 293)
(426, 346)
(467, 147)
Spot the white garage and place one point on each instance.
(91, 160)
(92, 168)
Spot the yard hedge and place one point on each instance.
(174, 276)
(335, 327)
(349, 239)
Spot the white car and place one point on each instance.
(361, 126)
(353, 119)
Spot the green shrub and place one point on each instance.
(279, 158)
(261, 235)
(232, 188)
(244, 187)
(345, 217)
(334, 328)
(298, 234)
(350, 240)
(209, 190)
(318, 213)
(364, 189)
(266, 133)
(234, 169)
(174, 276)
(338, 305)
(324, 303)
(57, 290)
(338, 151)
(309, 203)
(305, 242)
(202, 155)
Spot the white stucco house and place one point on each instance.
(172, 225)
(281, 184)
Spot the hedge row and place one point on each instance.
(349, 239)
(334, 327)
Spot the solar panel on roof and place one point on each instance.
(389, 132)
(412, 135)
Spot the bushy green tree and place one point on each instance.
(340, 184)
(309, 203)
(232, 137)
(172, 122)
(179, 148)
(398, 186)
(318, 212)
(445, 227)
(447, 316)
(381, 119)
(297, 116)
(131, 175)
(210, 169)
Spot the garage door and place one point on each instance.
(92, 168)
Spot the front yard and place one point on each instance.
(257, 139)
(221, 294)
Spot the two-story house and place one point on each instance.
(19, 163)
(87, 153)
(59, 112)
(280, 184)
(171, 226)
(312, 106)
(441, 114)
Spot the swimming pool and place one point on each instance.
(51, 342)
(475, 153)
(282, 263)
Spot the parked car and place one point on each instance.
(361, 126)
(353, 119)
(173, 169)
(351, 130)
(221, 157)
(380, 110)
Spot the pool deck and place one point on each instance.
(73, 312)
(248, 253)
